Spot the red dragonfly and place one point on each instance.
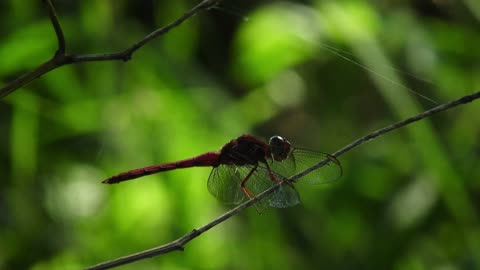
(247, 166)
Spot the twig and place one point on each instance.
(56, 26)
(364, 139)
(61, 58)
(180, 242)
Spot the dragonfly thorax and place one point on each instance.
(279, 148)
(244, 150)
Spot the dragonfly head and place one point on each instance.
(279, 148)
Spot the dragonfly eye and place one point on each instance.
(276, 140)
(279, 148)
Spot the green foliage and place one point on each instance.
(407, 200)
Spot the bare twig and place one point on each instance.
(180, 242)
(56, 26)
(364, 139)
(61, 58)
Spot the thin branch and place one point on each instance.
(364, 139)
(56, 26)
(178, 245)
(127, 54)
(29, 76)
(60, 58)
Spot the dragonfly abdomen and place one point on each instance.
(207, 159)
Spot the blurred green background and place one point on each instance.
(407, 200)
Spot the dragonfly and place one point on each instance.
(247, 166)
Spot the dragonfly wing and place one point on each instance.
(285, 168)
(304, 159)
(225, 180)
(285, 196)
(224, 184)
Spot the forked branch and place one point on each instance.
(182, 241)
(61, 58)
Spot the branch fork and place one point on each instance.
(60, 58)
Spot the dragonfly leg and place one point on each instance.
(247, 191)
(270, 174)
(275, 179)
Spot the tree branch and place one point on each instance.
(56, 26)
(60, 58)
(182, 241)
